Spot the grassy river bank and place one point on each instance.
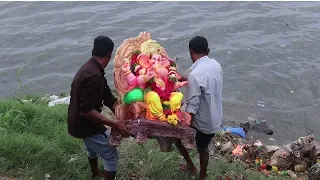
(34, 143)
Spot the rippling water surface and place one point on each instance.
(269, 51)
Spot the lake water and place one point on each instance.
(269, 51)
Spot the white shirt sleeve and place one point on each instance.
(193, 93)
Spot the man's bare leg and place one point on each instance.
(204, 158)
(183, 151)
(203, 141)
(94, 167)
(109, 175)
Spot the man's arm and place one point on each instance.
(87, 104)
(193, 93)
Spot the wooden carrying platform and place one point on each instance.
(163, 132)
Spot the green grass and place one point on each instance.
(34, 141)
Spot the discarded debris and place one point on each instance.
(257, 125)
(246, 126)
(237, 131)
(291, 160)
(47, 176)
(73, 158)
(314, 172)
(292, 174)
(65, 100)
(227, 148)
(262, 127)
(238, 151)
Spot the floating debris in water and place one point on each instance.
(261, 103)
(229, 52)
(163, 39)
(291, 92)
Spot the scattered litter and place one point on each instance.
(228, 147)
(258, 143)
(292, 174)
(314, 172)
(262, 127)
(74, 157)
(238, 151)
(259, 126)
(300, 168)
(47, 176)
(217, 144)
(237, 131)
(291, 160)
(246, 126)
(271, 148)
(53, 98)
(65, 100)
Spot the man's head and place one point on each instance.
(102, 49)
(198, 47)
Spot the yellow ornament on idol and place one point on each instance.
(173, 119)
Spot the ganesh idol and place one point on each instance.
(155, 76)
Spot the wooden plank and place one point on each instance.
(166, 134)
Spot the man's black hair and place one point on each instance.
(102, 46)
(198, 44)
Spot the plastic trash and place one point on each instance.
(53, 98)
(238, 151)
(227, 147)
(258, 143)
(237, 131)
(262, 127)
(65, 100)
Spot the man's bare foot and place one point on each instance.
(190, 169)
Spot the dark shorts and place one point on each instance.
(203, 141)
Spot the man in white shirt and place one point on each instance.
(204, 101)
